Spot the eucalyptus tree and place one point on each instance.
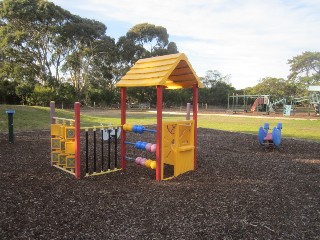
(7, 92)
(275, 87)
(216, 89)
(39, 41)
(305, 69)
(149, 37)
(142, 41)
(101, 69)
(29, 33)
(91, 53)
(212, 77)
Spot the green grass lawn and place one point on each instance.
(30, 118)
(304, 129)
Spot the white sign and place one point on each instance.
(112, 133)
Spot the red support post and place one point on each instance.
(159, 132)
(77, 140)
(195, 119)
(123, 93)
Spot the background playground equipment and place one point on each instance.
(247, 103)
(287, 109)
(171, 72)
(263, 103)
(313, 101)
(270, 139)
(66, 145)
(276, 104)
(314, 97)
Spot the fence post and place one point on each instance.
(10, 125)
(188, 111)
(52, 112)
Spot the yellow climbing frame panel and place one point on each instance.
(63, 146)
(178, 146)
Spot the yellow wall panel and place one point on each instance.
(70, 147)
(56, 129)
(178, 146)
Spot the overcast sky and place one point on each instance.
(248, 39)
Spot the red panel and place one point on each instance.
(123, 92)
(268, 137)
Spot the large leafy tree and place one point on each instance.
(83, 40)
(46, 49)
(29, 36)
(92, 65)
(149, 37)
(275, 87)
(142, 41)
(179, 97)
(100, 71)
(40, 41)
(216, 88)
(7, 92)
(212, 77)
(305, 69)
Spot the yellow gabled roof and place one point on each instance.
(172, 71)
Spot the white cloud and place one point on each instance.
(248, 39)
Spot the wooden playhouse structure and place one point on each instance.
(175, 141)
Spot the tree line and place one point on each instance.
(48, 53)
(304, 71)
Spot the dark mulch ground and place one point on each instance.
(239, 191)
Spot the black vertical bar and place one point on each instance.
(109, 148)
(116, 148)
(94, 151)
(10, 126)
(101, 150)
(87, 152)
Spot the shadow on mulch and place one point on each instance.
(239, 191)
